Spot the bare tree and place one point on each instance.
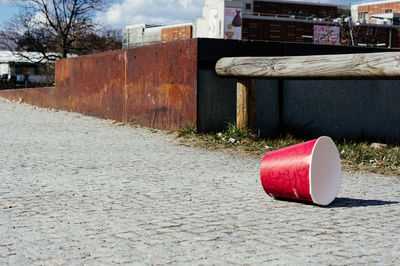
(54, 28)
(98, 41)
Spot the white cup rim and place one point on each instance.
(325, 171)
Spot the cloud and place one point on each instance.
(151, 12)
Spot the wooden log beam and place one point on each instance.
(343, 66)
(246, 104)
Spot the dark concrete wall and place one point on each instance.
(343, 109)
(216, 101)
(267, 108)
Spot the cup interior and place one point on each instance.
(325, 171)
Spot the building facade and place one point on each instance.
(304, 22)
(217, 18)
(265, 20)
(382, 12)
(22, 71)
(176, 33)
(372, 24)
(142, 34)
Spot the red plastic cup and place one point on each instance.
(308, 171)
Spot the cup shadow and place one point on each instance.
(346, 203)
(351, 203)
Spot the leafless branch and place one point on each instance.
(56, 28)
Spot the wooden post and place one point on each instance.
(246, 104)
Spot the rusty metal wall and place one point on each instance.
(154, 86)
(161, 85)
(92, 85)
(353, 109)
(41, 97)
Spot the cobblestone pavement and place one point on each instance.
(75, 190)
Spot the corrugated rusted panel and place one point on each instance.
(161, 85)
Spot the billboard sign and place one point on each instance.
(326, 35)
(233, 23)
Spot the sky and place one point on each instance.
(126, 12)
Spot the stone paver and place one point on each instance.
(75, 190)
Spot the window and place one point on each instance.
(37, 71)
(19, 70)
(388, 11)
(363, 15)
(248, 6)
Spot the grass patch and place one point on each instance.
(362, 156)
(355, 156)
(186, 132)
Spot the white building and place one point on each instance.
(217, 18)
(22, 68)
(139, 35)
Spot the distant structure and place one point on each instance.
(287, 21)
(142, 34)
(373, 24)
(382, 12)
(21, 71)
